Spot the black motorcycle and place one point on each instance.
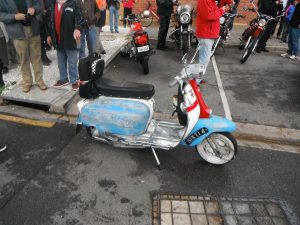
(183, 35)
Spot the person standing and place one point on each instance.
(294, 33)
(164, 10)
(113, 7)
(90, 13)
(101, 4)
(208, 27)
(22, 25)
(43, 24)
(270, 8)
(127, 6)
(64, 33)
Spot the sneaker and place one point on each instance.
(293, 57)
(75, 86)
(103, 52)
(284, 55)
(3, 148)
(117, 31)
(61, 83)
(42, 86)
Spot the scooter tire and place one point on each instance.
(185, 44)
(145, 64)
(249, 49)
(223, 140)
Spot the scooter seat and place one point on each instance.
(124, 89)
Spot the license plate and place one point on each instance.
(143, 48)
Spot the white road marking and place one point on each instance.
(222, 91)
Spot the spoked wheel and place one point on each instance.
(249, 49)
(218, 148)
(145, 65)
(146, 21)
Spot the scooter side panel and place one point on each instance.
(116, 116)
(205, 127)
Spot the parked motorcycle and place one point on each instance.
(225, 22)
(139, 47)
(183, 34)
(121, 114)
(254, 32)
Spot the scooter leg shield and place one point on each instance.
(205, 127)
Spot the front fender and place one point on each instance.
(205, 127)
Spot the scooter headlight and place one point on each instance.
(262, 22)
(185, 18)
(146, 13)
(222, 20)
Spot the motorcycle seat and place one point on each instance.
(124, 89)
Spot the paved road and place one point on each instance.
(50, 176)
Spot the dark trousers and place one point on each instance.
(164, 22)
(3, 52)
(127, 11)
(1, 78)
(266, 34)
(102, 18)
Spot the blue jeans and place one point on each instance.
(67, 61)
(113, 18)
(294, 34)
(88, 34)
(205, 50)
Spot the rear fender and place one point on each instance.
(205, 127)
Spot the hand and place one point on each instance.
(76, 34)
(19, 16)
(31, 11)
(49, 40)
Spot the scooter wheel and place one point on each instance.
(218, 148)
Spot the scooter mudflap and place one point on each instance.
(78, 128)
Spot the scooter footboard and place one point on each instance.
(205, 127)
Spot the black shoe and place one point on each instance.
(103, 52)
(5, 69)
(258, 50)
(265, 50)
(46, 61)
(162, 48)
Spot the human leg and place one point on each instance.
(164, 21)
(82, 43)
(111, 18)
(91, 39)
(62, 67)
(72, 58)
(205, 50)
(294, 36)
(116, 17)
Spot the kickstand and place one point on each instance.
(156, 158)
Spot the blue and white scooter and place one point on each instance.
(122, 115)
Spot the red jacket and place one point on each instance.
(208, 19)
(128, 3)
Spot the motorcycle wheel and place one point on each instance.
(146, 21)
(218, 148)
(145, 65)
(185, 44)
(249, 49)
(241, 46)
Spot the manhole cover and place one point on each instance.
(198, 210)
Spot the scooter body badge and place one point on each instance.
(189, 140)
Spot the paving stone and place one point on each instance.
(199, 220)
(246, 220)
(180, 206)
(181, 219)
(241, 208)
(263, 221)
(230, 220)
(165, 206)
(215, 220)
(274, 210)
(212, 207)
(258, 209)
(166, 219)
(197, 207)
(280, 221)
(226, 208)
